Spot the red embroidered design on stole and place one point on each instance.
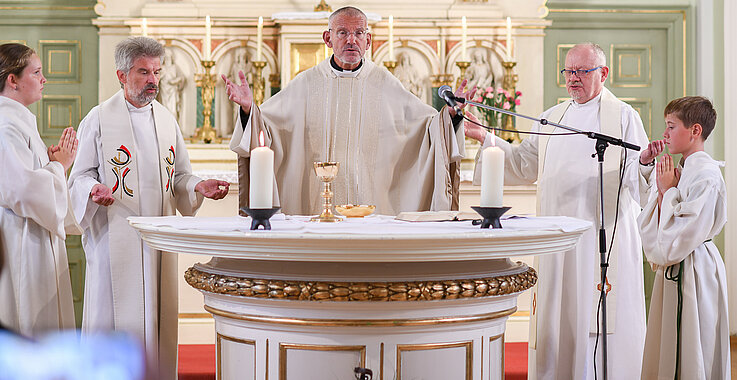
(121, 170)
(170, 169)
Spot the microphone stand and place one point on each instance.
(602, 142)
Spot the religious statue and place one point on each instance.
(408, 75)
(480, 73)
(171, 84)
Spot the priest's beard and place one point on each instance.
(142, 97)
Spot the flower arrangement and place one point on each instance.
(499, 98)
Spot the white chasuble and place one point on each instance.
(35, 288)
(565, 298)
(691, 214)
(394, 150)
(140, 155)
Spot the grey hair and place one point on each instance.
(596, 49)
(348, 11)
(133, 48)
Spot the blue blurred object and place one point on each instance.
(67, 356)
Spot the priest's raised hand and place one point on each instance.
(212, 188)
(240, 94)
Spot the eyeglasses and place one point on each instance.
(579, 73)
(343, 34)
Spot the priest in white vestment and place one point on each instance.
(563, 322)
(132, 161)
(35, 288)
(688, 328)
(395, 151)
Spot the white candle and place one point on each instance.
(259, 38)
(492, 177)
(208, 39)
(391, 38)
(509, 37)
(144, 27)
(261, 181)
(464, 56)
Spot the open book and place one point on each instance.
(437, 216)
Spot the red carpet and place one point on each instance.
(197, 361)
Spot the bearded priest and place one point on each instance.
(132, 161)
(395, 151)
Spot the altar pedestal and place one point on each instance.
(406, 300)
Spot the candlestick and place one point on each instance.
(259, 38)
(390, 65)
(509, 38)
(492, 177)
(259, 83)
(509, 83)
(208, 40)
(207, 83)
(144, 27)
(261, 180)
(462, 65)
(391, 38)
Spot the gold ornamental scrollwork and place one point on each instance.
(362, 291)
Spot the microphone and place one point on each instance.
(446, 93)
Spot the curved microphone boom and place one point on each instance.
(446, 93)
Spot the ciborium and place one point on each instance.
(326, 172)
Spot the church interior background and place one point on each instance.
(657, 50)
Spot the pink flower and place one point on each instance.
(507, 105)
(489, 95)
(478, 99)
(499, 89)
(518, 93)
(506, 94)
(517, 102)
(489, 89)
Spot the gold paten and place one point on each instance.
(355, 211)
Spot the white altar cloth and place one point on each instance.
(371, 225)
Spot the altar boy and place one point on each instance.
(687, 332)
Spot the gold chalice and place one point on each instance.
(326, 172)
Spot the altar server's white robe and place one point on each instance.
(35, 289)
(158, 327)
(563, 326)
(394, 151)
(691, 214)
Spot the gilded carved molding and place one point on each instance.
(361, 291)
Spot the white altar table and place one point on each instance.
(408, 300)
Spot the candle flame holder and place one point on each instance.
(390, 65)
(326, 172)
(490, 215)
(260, 216)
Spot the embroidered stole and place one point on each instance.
(121, 172)
(610, 121)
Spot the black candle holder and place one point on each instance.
(260, 216)
(491, 215)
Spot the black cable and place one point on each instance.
(520, 132)
(622, 168)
